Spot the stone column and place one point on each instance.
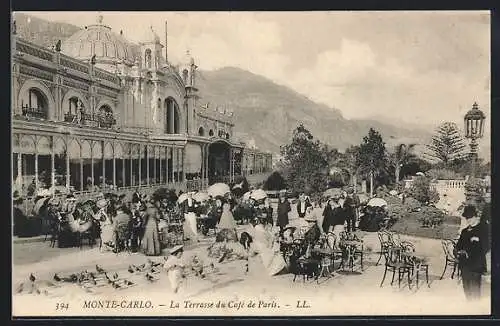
(68, 173)
(147, 164)
(114, 165)
(173, 165)
(162, 151)
(19, 178)
(183, 151)
(103, 149)
(140, 167)
(52, 165)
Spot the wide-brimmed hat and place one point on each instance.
(469, 211)
(349, 190)
(289, 227)
(54, 202)
(101, 203)
(176, 249)
(70, 197)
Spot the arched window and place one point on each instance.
(211, 133)
(185, 76)
(105, 116)
(201, 131)
(147, 58)
(227, 135)
(35, 104)
(172, 124)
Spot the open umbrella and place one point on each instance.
(39, 204)
(182, 198)
(43, 193)
(218, 189)
(201, 196)
(377, 202)
(258, 194)
(332, 192)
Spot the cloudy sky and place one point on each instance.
(413, 67)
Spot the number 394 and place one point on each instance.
(62, 306)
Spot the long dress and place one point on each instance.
(107, 230)
(151, 240)
(190, 223)
(267, 250)
(227, 219)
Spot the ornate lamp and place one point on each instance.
(474, 130)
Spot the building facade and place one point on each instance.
(99, 112)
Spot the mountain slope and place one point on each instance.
(269, 112)
(264, 111)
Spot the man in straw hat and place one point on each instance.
(174, 265)
(471, 252)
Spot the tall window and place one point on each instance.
(172, 125)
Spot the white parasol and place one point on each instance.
(182, 198)
(218, 189)
(258, 194)
(377, 202)
(44, 193)
(201, 196)
(393, 193)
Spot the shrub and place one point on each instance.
(421, 190)
(275, 182)
(374, 219)
(474, 191)
(412, 204)
(430, 216)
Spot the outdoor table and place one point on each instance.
(323, 253)
(350, 249)
(306, 266)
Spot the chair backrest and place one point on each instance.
(384, 237)
(448, 248)
(395, 239)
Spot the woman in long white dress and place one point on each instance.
(106, 225)
(174, 267)
(267, 249)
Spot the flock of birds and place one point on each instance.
(89, 280)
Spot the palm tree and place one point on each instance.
(403, 154)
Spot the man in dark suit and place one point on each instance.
(349, 207)
(471, 252)
(302, 205)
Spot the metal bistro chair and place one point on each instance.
(450, 258)
(386, 243)
(329, 245)
(416, 263)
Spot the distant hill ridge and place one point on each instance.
(264, 111)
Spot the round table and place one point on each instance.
(350, 247)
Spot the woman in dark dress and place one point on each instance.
(283, 210)
(151, 240)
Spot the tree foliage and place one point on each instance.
(372, 158)
(274, 182)
(305, 162)
(403, 154)
(447, 145)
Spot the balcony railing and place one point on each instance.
(97, 120)
(37, 113)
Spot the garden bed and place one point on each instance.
(414, 228)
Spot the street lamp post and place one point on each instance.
(474, 129)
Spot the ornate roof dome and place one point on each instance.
(150, 36)
(98, 39)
